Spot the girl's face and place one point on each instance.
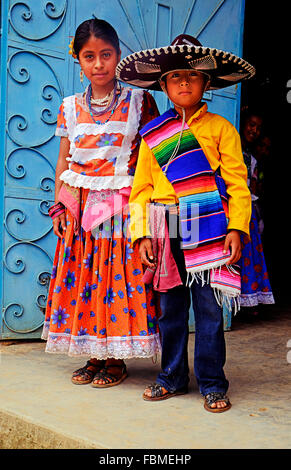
(185, 88)
(99, 59)
(252, 129)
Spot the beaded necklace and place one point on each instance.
(112, 104)
(102, 102)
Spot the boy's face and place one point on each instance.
(186, 87)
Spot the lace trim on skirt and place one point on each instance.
(116, 347)
(251, 300)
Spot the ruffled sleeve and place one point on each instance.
(61, 130)
(149, 109)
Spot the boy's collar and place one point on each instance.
(198, 115)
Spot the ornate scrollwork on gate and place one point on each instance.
(14, 312)
(24, 16)
(16, 165)
(39, 81)
(18, 261)
(47, 205)
(44, 280)
(19, 218)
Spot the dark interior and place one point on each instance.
(267, 47)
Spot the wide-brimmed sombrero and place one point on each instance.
(145, 68)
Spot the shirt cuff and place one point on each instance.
(238, 224)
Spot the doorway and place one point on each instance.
(266, 46)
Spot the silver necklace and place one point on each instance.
(103, 101)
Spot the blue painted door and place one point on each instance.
(33, 74)
(36, 72)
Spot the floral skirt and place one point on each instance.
(255, 284)
(97, 303)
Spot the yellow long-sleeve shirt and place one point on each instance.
(221, 144)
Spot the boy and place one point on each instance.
(190, 158)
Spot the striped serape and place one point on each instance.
(202, 203)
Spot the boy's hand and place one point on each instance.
(232, 241)
(59, 225)
(146, 252)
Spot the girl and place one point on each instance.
(97, 304)
(255, 287)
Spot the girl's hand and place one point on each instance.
(58, 222)
(232, 241)
(146, 252)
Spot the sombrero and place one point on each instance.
(145, 68)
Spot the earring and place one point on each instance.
(81, 76)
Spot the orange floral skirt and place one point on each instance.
(97, 303)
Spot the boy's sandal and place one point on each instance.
(109, 379)
(85, 373)
(157, 393)
(215, 397)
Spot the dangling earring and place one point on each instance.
(81, 76)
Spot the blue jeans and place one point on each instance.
(209, 353)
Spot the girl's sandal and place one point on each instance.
(157, 393)
(109, 379)
(86, 374)
(215, 397)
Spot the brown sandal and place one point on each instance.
(109, 379)
(158, 394)
(86, 373)
(214, 397)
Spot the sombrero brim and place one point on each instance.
(144, 68)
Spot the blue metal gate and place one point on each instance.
(36, 72)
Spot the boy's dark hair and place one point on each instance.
(98, 28)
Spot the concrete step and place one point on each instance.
(41, 409)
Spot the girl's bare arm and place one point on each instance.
(62, 165)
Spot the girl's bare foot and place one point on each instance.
(113, 373)
(216, 402)
(85, 374)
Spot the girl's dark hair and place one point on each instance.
(98, 28)
(250, 111)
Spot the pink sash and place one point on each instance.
(165, 275)
(100, 205)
